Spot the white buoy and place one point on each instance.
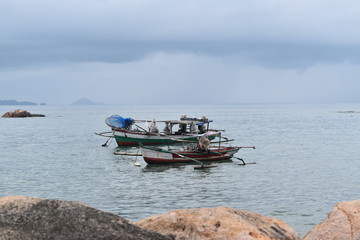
(137, 164)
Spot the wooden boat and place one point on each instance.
(153, 155)
(128, 132)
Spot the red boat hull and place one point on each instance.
(157, 156)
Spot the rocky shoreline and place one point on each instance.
(35, 218)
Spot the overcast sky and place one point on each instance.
(180, 51)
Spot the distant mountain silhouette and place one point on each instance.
(85, 101)
(14, 102)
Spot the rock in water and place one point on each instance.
(342, 223)
(218, 223)
(22, 113)
(19, 113)
(8, 115)
(35, 218)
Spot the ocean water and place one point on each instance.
(307, 160)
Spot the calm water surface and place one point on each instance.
(308, 159)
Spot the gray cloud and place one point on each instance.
(278, 55)
(72, 44)
(118, 31)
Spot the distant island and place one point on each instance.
(14, 102)
(85, 101)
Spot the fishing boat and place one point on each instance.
(153, 155)
(128, 132)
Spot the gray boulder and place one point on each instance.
(35, 218)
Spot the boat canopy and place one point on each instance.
(188, 121)
(121, 122)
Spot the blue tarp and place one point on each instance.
(120, 122)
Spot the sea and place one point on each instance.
(307, 160)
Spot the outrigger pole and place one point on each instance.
(191, 159)
(243, 162)
(103, 134)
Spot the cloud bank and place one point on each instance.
(240, 51)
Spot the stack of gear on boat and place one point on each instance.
(120, 122)
(153, 127)
(182, 127)
(201, 126)
(204, 143)
(167, 129)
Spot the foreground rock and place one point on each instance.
(342, 223)
(34, 218)
(217, 223)
(19, 113)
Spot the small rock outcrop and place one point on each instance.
(19, 113)
(217, 223)
(34, 218)
(342, 223)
